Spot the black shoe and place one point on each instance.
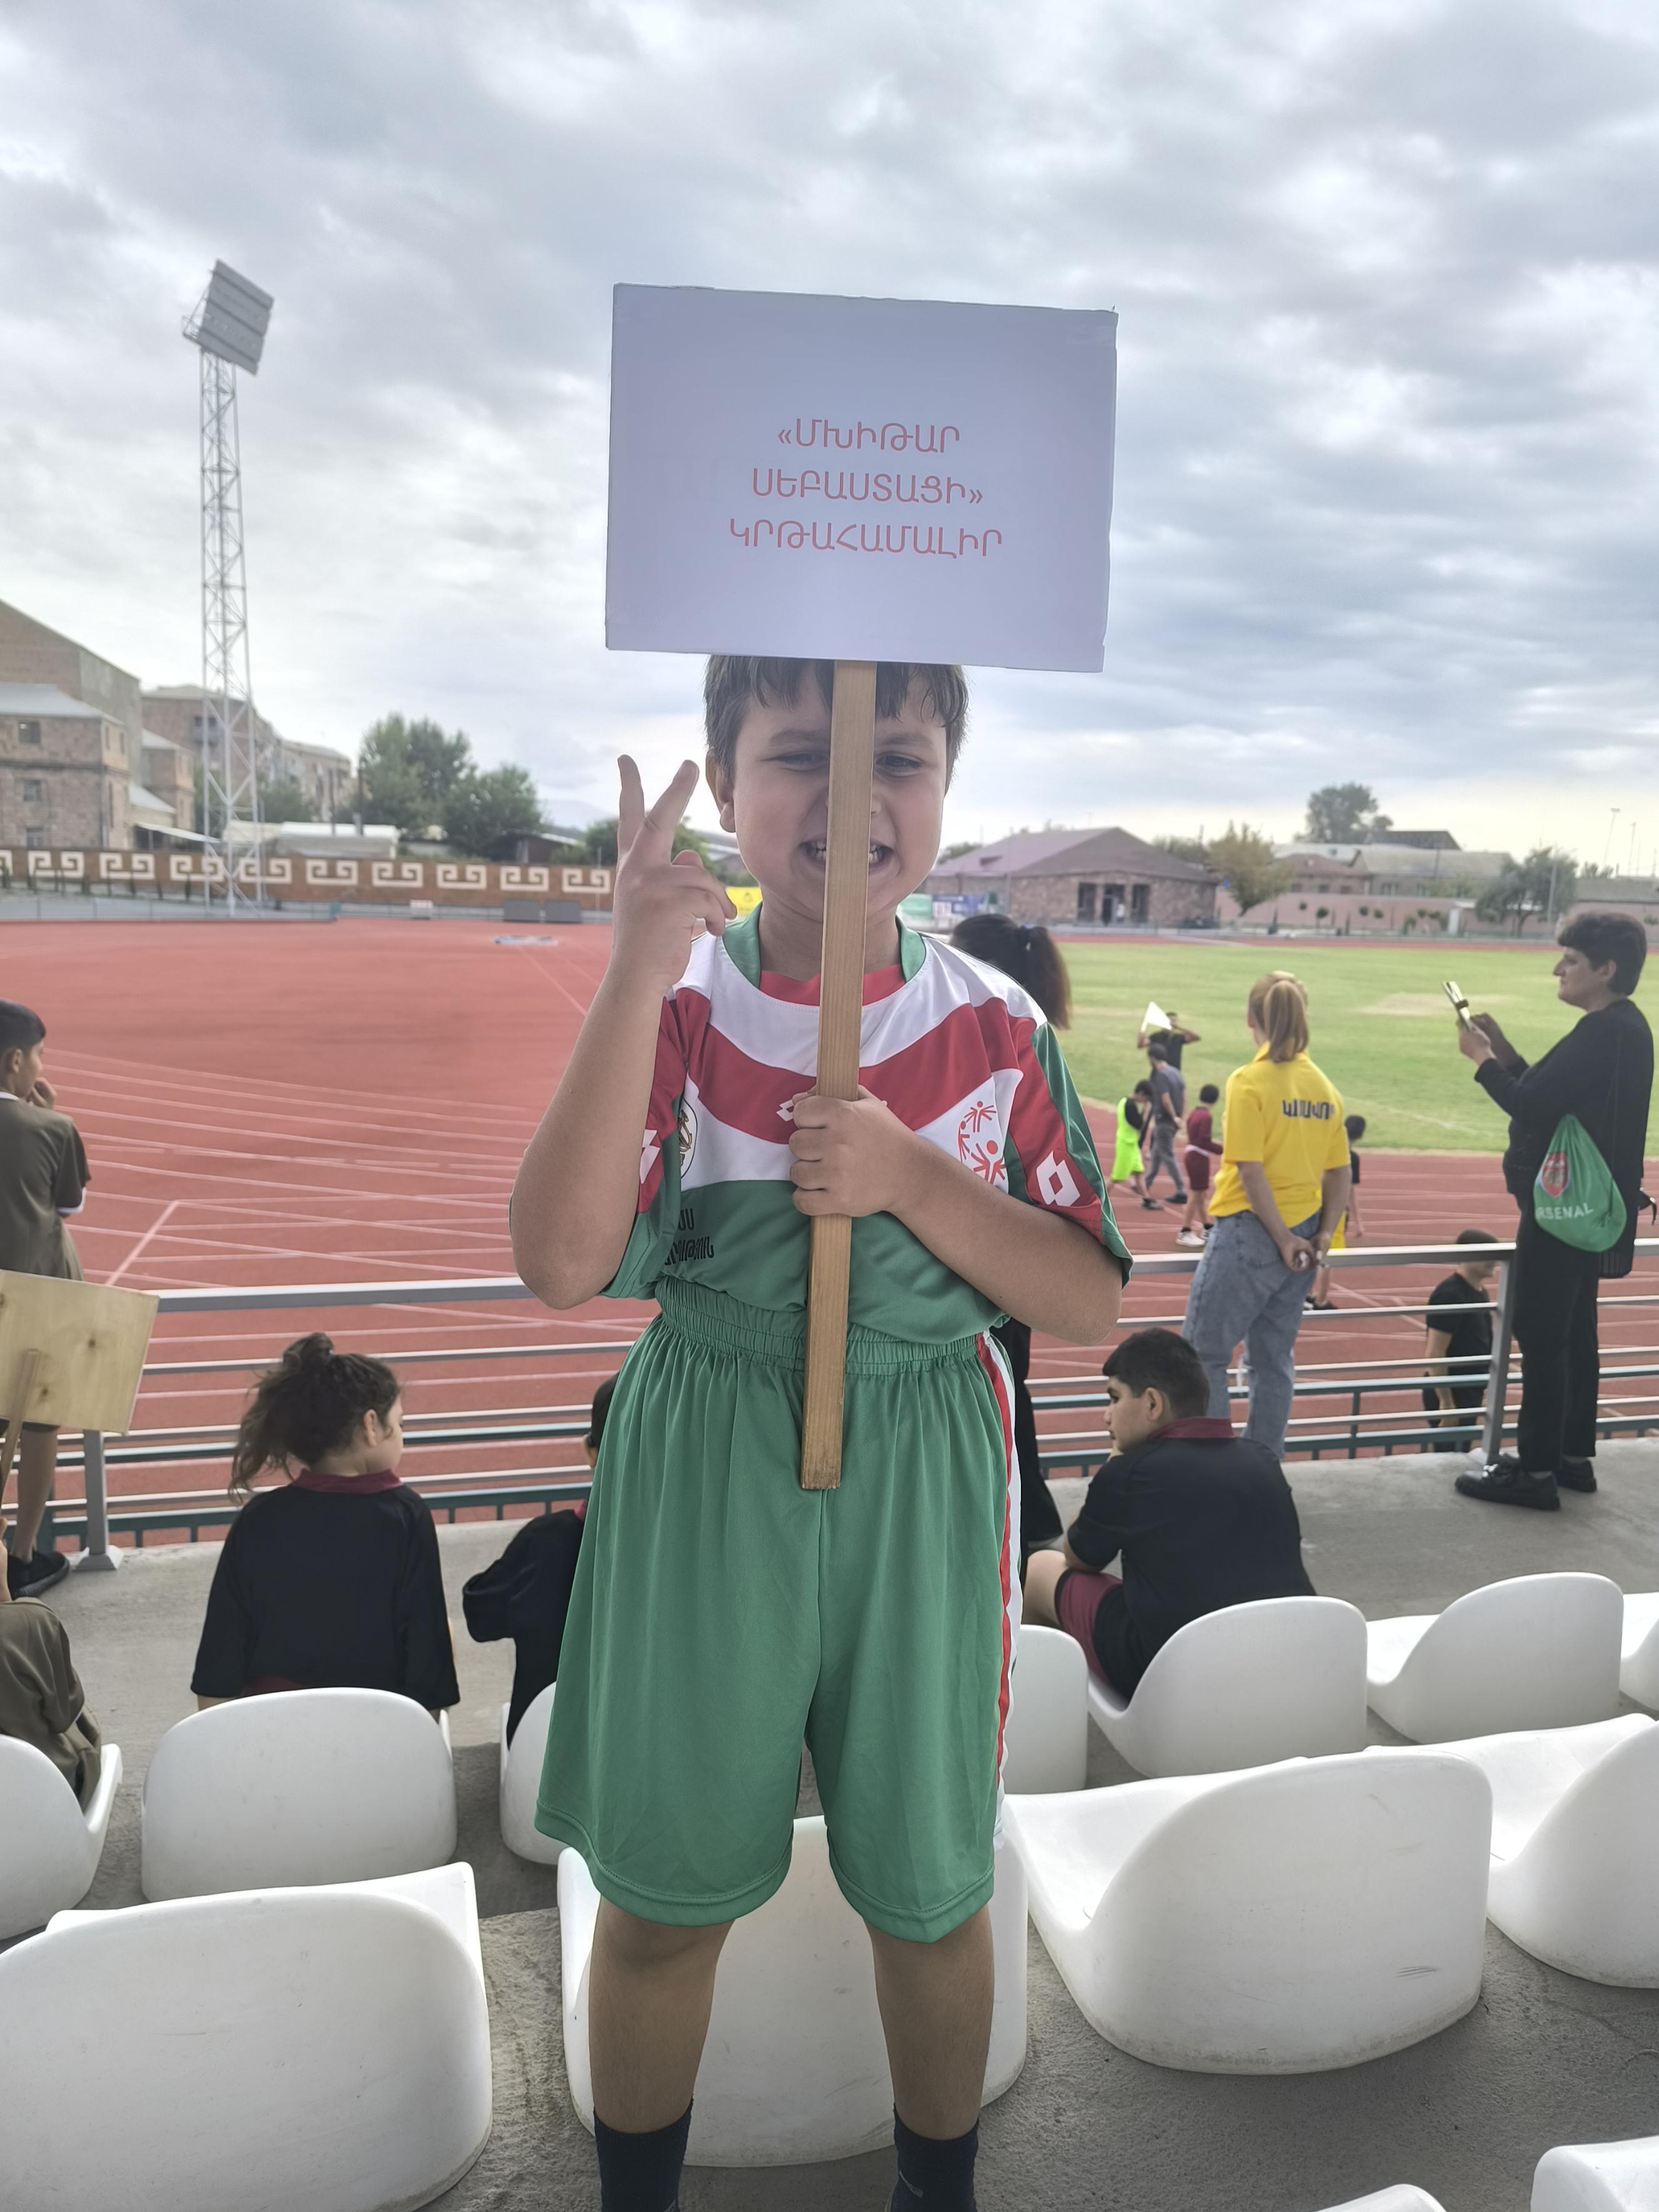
(1504, 1484)
(1576, 1473)
(1153, 1205)
(29, 1578)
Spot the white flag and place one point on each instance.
(1156, 1019)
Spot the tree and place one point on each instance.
(597, 845)
(1344, 814)
(1185, 849)
(1243, 859)
(955, 852)
(284, 801)
(1543, 883)
(407, 770)
(480, 808)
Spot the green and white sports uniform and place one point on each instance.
(721, 1614)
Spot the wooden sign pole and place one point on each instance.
(840, 1009)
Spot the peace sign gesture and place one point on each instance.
(660, 895)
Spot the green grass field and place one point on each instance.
(1382, 1028)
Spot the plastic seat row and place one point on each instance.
(232, 1796)
(1616, 2177)
(1320, 1913)
(326, 2047)
(1286, 1678)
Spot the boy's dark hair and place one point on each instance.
(602, 1398)
(1023, 949)
(735, 682)
(1143, 1088)
(1156, 1054)
(1355, 1125)
(310, 1403)
(21, 1028)
(1619, 937)
(1475, 1236)
(1158, 1359)
(1208, 1095)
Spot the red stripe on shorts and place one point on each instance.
(993, 1368)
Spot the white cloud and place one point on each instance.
(1388, 278)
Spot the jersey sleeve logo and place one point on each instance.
(687, 1131)
(979, 1144)
(1055, 1184)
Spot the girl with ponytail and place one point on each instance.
(330, 1579)
(1282, 1189)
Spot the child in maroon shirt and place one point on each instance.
(1201, 1149)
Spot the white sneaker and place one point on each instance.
(1190, 1238)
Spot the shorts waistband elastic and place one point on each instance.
(777, 1337)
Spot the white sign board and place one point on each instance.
(859, 479)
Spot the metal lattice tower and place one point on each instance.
(229, 327)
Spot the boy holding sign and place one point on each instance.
(722, 1612)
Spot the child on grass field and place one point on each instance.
(721, 1613)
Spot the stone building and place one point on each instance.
(65, 776)
(1065, 876)
(186, 716)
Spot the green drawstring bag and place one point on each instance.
(1574, 1196)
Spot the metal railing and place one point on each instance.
(192, 1510)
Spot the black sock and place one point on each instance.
(641, 2173)
(933, 2173)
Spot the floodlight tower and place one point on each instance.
(228, 327)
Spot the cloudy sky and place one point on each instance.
(1388, 272)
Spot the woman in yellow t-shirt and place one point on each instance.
(1281, 1191)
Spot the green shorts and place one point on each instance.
(722, 1615)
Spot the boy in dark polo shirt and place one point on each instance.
(43, 1180)
(1202, 1518)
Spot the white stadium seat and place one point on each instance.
(1279, 1678)
(1047, 1743)
(49, 1848)
(1282, 1920)
(1575, 1877)
(302, 1786)
(325, 2048)
(795, 2068)
(1538, 1651)
(1616, 2177)
(521, 1780)
(1638, 1657)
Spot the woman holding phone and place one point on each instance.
(1601, 1072)
(1282, 1189)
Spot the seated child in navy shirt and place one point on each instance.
(331, 1579)
(525, 1594)
(1203, 1519)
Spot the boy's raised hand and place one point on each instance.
(660, 896)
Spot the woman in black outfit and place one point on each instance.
(1026, 951)
(1602, 1071)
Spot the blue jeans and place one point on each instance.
(1244, 1293)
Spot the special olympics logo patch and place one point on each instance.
(685, 1129)
(979, 1144)
(1555, 1174)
